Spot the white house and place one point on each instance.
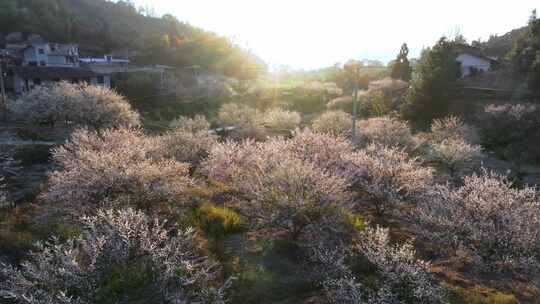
(473, 61)
(45, 63)
(51, 54)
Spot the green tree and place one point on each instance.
(526, 54)
(431, 85)
(401, 69)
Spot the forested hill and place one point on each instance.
(105, 26)
(499, 46)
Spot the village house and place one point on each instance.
(473, 61)
(44, 62)
(51, 54)
(40, 63)
(36, 62)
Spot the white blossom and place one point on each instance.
(93, 106)
(496, 223)
(115, 243)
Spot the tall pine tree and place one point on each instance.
(430, 91)
(401, 68)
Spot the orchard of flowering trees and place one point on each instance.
(93, 106)
(353, 214)
(123, 244)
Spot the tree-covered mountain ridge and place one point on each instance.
(101, 26)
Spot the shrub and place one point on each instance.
(496, 223)
(343, 103)
(94, 106)
(185, 146)
(276, 184)
(400, 277)
(192, 125)
(229, 158)
(455, 153)
(387, 176)
(238, 115)
(333, 122)
(404, 277)
(385, 131)
(452, 127)
(121, 256)
(388, 85)
(281, 119)
(219, 220)
(113, 164)
(288, 193)
(247, 121)
(375, 103)
(512, 130)
(325, 151)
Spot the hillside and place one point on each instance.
(499, 46)
(118, 27)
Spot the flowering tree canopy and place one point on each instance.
(385, 131)
(277, 118)
(388, 176)
(487, 217)
(333, 122)
(192, 125)
(84, 104)
(401, 277)
(113, 164)
(120, 254)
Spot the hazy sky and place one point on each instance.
(312, 33)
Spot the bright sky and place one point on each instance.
(314, 33)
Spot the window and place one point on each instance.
(41, 51)
(100, 79)
(42, 63)
(32, 63)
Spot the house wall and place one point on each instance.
(467, 61)
(32, 54)
(21, 85)
(106, 80)
(57, 61)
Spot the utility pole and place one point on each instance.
(355, 111)
(355, 67)
(3, 91)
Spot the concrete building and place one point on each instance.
(46, 54)
(43, 63)
(473, 61)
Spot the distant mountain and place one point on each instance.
(499, 46)
(105, 26)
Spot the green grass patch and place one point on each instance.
(218, 221)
